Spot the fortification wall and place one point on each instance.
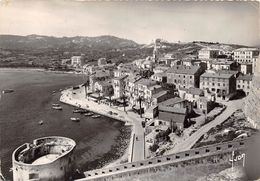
(212, 153)
(252, 101)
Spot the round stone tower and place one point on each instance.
(252, 101)
(48, 158)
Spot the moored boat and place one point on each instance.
(41, 122)
(96, 116)
(57, 107)
(75, 119)
(7, 91)
(89, 114)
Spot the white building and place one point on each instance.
(76, 61)
(208, 53)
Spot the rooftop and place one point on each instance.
(159, 94)
(245, 77)
(217, 75)
(180, 69)
(193, 90)
(172, 101)
(246, 49)
(146, 82)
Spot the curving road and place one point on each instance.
(232, 106)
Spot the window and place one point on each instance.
(213, 83)
(33, 176)
(218, 84)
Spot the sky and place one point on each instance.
(226, 22)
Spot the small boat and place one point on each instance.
(96, 116)
(89, 114)
(76, 111)
(75, 119)
(7, 91)
(57, 107)
(81, 111)
(41, 122)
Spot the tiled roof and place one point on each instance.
(246, 49)
(146, 82)
(159, 94)
(172, 101)
(180, 69)
(175, 117)
(245, 77)
(217, 75)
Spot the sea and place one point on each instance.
(99, 141)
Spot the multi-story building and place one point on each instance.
(98, 76)
(183, 76)
(208, 53)
(119, 84)
(77, 61)
(244, 83)
(246, 57)
(220, 84)
(159, 77)
(104, 88)
(223, 64)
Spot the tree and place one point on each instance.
(98, 92)
(124, 101)
(86, 85)
(140, 99)
(110, 94)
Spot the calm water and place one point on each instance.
(20, 112)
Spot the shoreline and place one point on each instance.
(39, 70)
(67, 98)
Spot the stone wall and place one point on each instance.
(252, 101)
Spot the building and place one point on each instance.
(246, 57)
(223, 64)
(159, 77)
(102, 61)
(183, 76)
(208, 53)
(175, 110)
(244, 82)
(48, 158)
(77, 61)
(104, 88)
(98, 76)
(160, 69)
(246, 68)
(205, 105)
(220, 84)
(119, 84)
(191, 94)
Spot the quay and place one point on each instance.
(78, 99)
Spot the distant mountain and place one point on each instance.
(78, 42)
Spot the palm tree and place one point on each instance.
(140, 99)
(124, 101)
(98, 92)
(86, 85)
(110, 94)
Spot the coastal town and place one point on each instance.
(171, 103)
(129, 91)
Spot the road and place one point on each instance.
(136, 151)
(232, 106)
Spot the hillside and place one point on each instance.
(78, 42)
(46, 51)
